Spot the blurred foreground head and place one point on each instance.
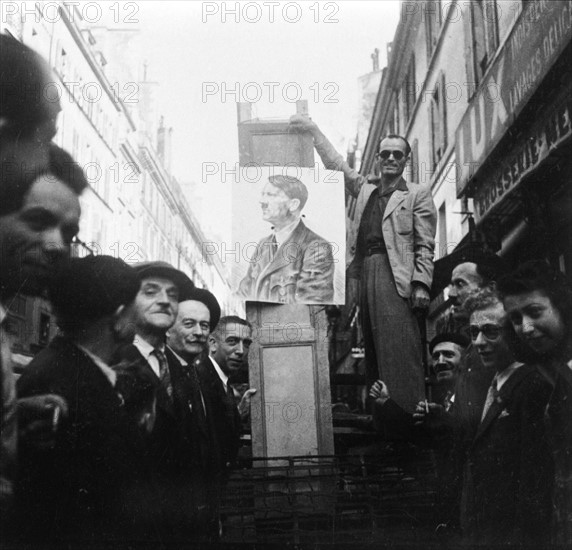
(91, 291)
(29, 106)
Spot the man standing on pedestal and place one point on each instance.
(390, 250)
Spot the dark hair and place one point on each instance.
(482, 299)
(61, 166)
(292, 187)
(66, 169)
(228, 320)
(23, 100)
(396, 136)
(489, 266)
(539, 275)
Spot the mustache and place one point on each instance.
(163, 309)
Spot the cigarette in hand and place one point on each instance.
(426, 407)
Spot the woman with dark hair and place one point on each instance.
(538, 302)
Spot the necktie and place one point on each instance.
(230, 392)
(273, 247)
(164, 374)
(491, 396)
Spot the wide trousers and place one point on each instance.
(391, 334)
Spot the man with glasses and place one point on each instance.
(390, 250)
(507, 478)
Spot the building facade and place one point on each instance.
(481, 90)
(133, 208)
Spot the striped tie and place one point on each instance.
(491, 396)
(165, 375)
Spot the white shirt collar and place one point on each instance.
(283, 234)
(109, 373)
(223, 377)
(147, 350)
(145, 347)
(181, 360)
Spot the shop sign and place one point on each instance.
(537, 39)
(552, 130)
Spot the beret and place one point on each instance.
(208, 298)
(453, 337)
(92, 287)
(164, 269)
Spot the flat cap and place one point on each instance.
(164, 269)
(453, 337)
(89, 288)
(208, 298)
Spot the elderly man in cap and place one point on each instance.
(84, 488)
(181, 440)
(199, 314)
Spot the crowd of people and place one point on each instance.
(502, 359)
(500, 418)
(124, 428)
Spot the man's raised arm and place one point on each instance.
(330, 157)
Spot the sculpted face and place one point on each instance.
(536, 321)
(37, 235)
(489, 337)
(276, 206)
(229, 345)
(156, 304)
(188, 336)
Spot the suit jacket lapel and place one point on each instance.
(280, 259)
(397, 197)
(500, 403)
(187, 389)
(132, 353)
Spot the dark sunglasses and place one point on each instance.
(386, 153)
(490, 331)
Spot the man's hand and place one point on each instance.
(38, 419)
(379, 392)
(419, 299)
(244, 405)
(427, 413)
(303, 123)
